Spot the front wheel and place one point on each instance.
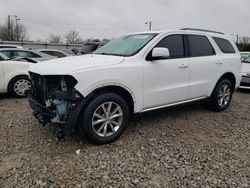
(104, 119)
(221, 96)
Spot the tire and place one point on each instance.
(18, 85)
(104, 119)
(221, 96)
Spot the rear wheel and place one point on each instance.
(221, 96)
(18, 85)
(104, 119)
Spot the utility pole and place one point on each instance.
(8, 27)
(149, 25)
(17, 37)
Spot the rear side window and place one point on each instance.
(54, 53)
(200, 46)
(175, 45)
(224, 45)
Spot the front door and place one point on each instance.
(166, 81)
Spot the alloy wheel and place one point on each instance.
(224, 95)
(107, 119)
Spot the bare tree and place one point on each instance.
(54, 38)
(13, 31)
(73, 37)
(245, 40)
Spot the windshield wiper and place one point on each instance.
(103, 53)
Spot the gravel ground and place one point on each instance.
(185, 146)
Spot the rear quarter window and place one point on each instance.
(224, 45)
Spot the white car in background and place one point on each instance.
(14, 77)
(245, 72)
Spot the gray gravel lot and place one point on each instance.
(185, 146)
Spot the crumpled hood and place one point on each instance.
(67, 65)
(245, 68)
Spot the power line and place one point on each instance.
(83, 27)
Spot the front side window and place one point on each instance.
(200, 46)
(127, 45)
(224, 45)
(175, 45)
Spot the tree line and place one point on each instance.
(14, 31)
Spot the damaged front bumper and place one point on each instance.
(53, 99)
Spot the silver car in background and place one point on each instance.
(245, 72)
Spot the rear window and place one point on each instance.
(224, 45)
(200, 46)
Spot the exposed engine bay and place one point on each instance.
(54, 99)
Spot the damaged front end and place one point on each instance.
(54, 99)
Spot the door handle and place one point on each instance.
(183, 65)
(219, 63)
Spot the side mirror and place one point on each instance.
(160, 53)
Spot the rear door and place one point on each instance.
(205, 66)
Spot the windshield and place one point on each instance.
(126, 46)
(247, 60)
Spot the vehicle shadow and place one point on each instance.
(244, 90)
(147, 122)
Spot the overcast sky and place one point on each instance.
(111, 18)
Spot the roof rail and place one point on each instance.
(210, 31)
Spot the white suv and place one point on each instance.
(97, 93)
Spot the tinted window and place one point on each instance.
(200, 46)
(224, 45)
(6, 53)
(25, 54)
(88, 48)
(175, 45)
(54, 53)
(59, 54)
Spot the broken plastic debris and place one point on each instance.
(78, 152)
